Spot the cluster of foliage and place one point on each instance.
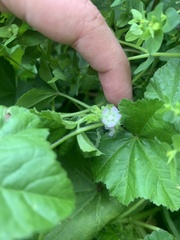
(74, 167)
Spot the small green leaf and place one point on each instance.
(58, 75)
(54, 122)
(31, 54)
(116, 3)
(133, 167)
(87, 146)
(165, 84)
(32, 38)
(144, 65)
(159, 234)
(153, 44)
(173, 19)
(38, 98)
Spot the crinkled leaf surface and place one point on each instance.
(55, 123)
(145, 118)
(157, 235)
(135, 167)
(35, 193)
(93, 211)
(14, 120)
(165, 84)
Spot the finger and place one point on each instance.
(80, 24)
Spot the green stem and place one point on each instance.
(40, 237)
(167, 54)
(139, 57)
(158, 54)
(131, 209)
(75, 114)
(146, 225)
(74, 100)
(76, 132)
(133, 46)
(138, 76)
(170, 223)
(146, 214)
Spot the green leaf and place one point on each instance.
(87, 146)
(15, 119)
(31, 55)
(5, 32)
(7, 83)
(116, 3)
(173, 19)
(32, 38)
(165, 84)
(46, 73)
(133, 167)
(58, 75)
(54, 120)
(144, 118)
(153, 44)
(144, 65)
(35, 193)
(159, 234)
(156, 14)
(55, 123)
(94, 210)
(176, 141)
(38, 98)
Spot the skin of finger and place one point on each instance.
(80, 24)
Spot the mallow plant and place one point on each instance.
(73, 166)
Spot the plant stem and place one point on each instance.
(74, 100)
(133, 46)
(139, 56)
(80, 113)
(131, 209)
(40, 237)
(146, 214)
(146, 225)
(166, 54)
(158, 54)
(170, 223)
(76, 132)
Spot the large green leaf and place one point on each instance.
(35, 193)
(94, 209)
(145, 118)
(165, 84)
(133, 167)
